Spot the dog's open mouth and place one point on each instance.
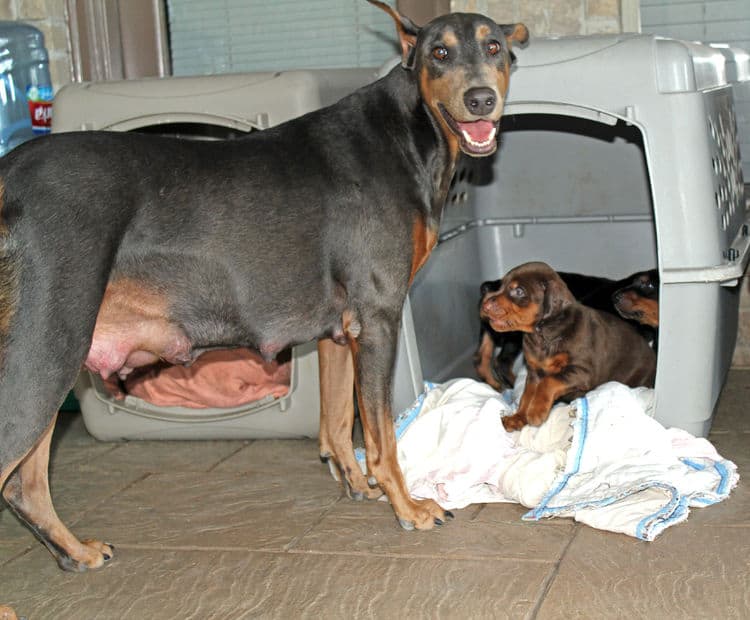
(477, 138)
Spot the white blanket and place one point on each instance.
(602, 460)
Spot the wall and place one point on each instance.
(49, 17)
(551, 17)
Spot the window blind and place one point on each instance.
(226, 36)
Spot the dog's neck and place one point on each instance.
(419, 137)
(550, 331)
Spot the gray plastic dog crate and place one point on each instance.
(618, 154)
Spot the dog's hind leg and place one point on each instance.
(46, 334)
(337, 417)
(27, 492)
(38, 371)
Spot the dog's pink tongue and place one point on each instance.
(479, 131)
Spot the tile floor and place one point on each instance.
(226, 530)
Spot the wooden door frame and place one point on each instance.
(118, 39)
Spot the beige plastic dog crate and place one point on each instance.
(204, 108)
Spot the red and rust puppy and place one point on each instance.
(569, 348)
(592, 291)
(639, 300)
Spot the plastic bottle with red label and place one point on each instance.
(25, 86)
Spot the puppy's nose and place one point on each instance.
(480, 100)
(489, 307)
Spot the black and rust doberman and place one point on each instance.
(568, 348)
(613, 296)
(117, 250)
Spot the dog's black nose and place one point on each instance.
(480, 100)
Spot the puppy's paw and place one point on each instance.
(514, 422)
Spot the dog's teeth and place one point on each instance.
(487, 142)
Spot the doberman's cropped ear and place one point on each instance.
(407, 33)
(515, 33)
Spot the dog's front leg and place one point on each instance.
(374, 360)
(337, 417)
(483, 358)
(536, 402)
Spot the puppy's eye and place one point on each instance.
(493, 48)
(440, 52)
(517, 292)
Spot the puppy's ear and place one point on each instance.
(557, 297)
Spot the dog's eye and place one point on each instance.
(517, 292)
(440, 52)
(493, 48)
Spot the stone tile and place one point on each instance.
(169, 456)
(742, 350)
(10, 549)
(72, 444)
(295, 456)
(502, 11)
(735, 447)
(732, 411)
(168, 584)
(250, 511)
(10, 528)
(79, 488)
(40, 9)
(603, 8)
(566, 18)
(688, 572)
(469, 6)
(535, 16)
(7, 9)
(602, 26)
(732, 512)
(61, 71)
(503, 513)
(459, 538)
(74, 490)
(55, 35)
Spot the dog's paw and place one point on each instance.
(93, 554)
(514, 422)
(356, 488)
(425, 514)
(7, 613)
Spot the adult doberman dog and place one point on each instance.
(569, 348)
(117, 250)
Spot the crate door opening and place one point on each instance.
(566, 190)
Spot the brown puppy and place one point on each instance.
(569, 348)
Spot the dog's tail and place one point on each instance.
(8, 279)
